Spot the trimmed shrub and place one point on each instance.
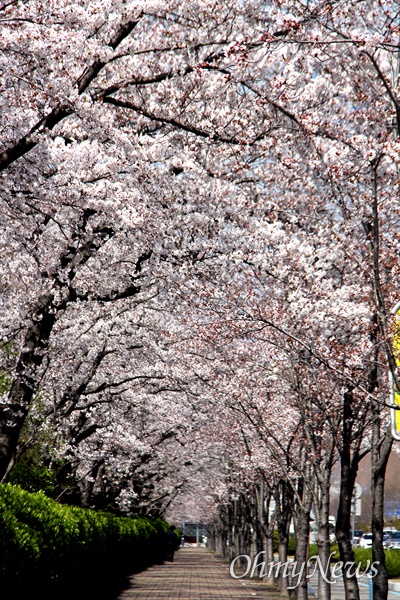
(392, 560)
(291, 543)
(52, 548)
(393, 563)
(363, 555)
(334, 550)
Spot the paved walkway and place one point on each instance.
(195, 574)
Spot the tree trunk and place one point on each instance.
(379, 458)
(302, 529)
(381, 445)
(323, 541)
(14, 413)
(269, 554)
(267, 523)
(88, 484)
(284, 504)
(348, 473)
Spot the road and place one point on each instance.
(338, 588)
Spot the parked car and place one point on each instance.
(357, 534)
(365, 541)
(395, 541)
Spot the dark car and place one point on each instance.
(357, 534)
(395, 541)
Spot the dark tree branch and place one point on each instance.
(59, 112)
(94, 69)
(212, 135)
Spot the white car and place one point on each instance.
(365, 541)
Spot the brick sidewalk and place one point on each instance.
(195, 574)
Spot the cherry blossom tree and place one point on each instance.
(216, 182)
(75, 170)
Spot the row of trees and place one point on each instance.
(200, 258)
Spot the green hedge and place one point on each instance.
(313, 551)
(362, 555)
(392, 560)
(291, 543)
(52, 548)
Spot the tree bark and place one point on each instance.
(302, 530)
(14, 412)
(348, 471)
(323, 540)
(284, 504)
(89, 483)
(267, 522)
(379, 459)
